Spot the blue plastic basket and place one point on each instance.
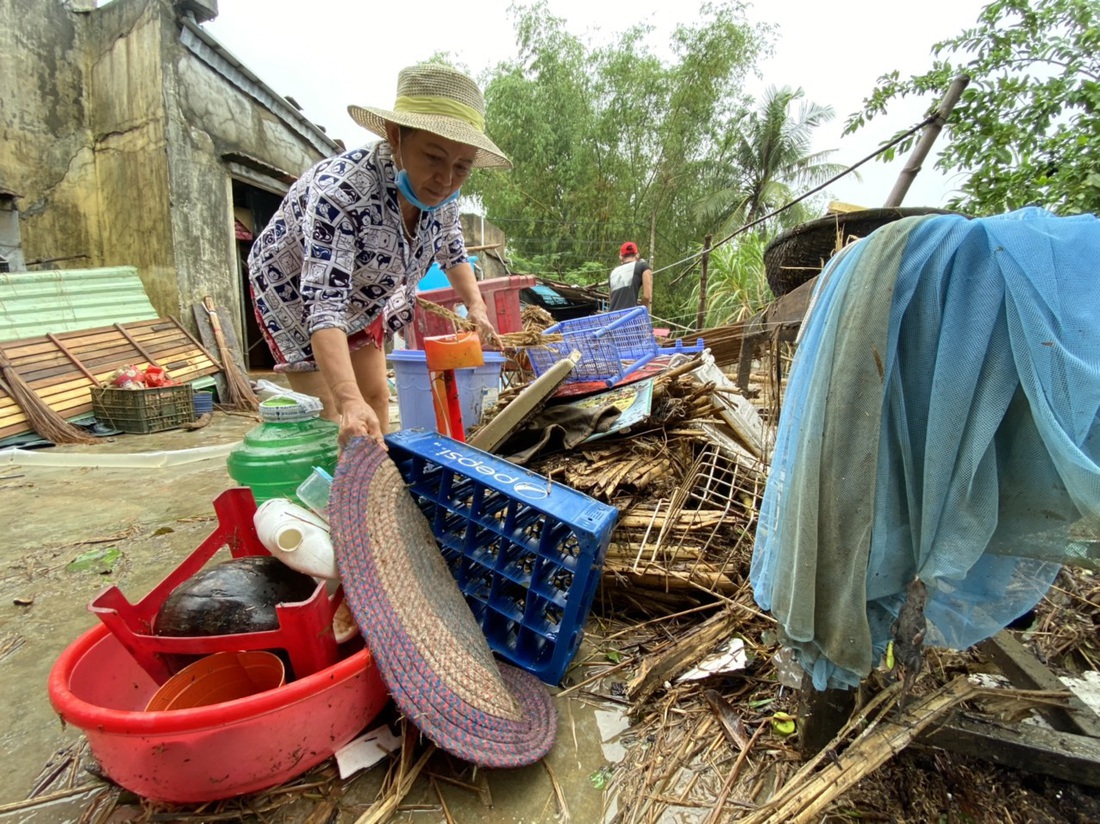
(612, 345)
(526, 552)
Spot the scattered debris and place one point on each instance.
(101, 561)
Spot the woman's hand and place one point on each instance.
(465, 285)
(357, 419)
(479, 316)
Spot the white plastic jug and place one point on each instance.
(296, 536)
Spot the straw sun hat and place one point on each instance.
(429, 649)
(440, 100)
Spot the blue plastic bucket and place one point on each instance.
(478, 387)
(203, 403)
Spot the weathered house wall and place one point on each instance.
(123, 128)
(223, 123)
(479, 232)
(45, 149)
(125, 87)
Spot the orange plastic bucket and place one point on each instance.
(460, 351)
(214, 679)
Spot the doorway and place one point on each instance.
(252, 209)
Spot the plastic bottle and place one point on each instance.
(314, 492)
(276, 456)
(296, 536)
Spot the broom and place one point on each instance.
(241, 396)
(40, 416)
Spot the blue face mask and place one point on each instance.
(405, 187)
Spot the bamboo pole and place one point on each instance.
(701, 315)
(927, 138)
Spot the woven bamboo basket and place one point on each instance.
(800, 253)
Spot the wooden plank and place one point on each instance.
(1025, 672)
(157, 337)
(144, 352)
(664, 664)
(822, 714)
(204, 349)
(117, 350)
(1027, 747)
(175, 351)
(63, 368)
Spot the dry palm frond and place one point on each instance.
(529, 337)
(460, 323)
(241, 396)
(536, 319)
(40, 416)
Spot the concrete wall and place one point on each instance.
(126, 117)
(210, 118)
(117, 135)
(45, 148)
(479, 232)
(11, 245)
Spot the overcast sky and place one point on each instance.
(329, 53)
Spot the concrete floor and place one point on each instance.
(154, 516)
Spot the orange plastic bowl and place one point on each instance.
(188, 756)
(217, 678)
(460, 351)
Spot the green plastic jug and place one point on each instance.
(280, 453)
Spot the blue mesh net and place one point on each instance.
(940, 422)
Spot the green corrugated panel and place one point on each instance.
(66, 300)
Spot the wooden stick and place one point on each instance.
(563, 806)
(197, 342)
(716, 813)
(122, 330)
(76, 362)
(809, 793)
(43, 800)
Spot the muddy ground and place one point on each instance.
(154, 516)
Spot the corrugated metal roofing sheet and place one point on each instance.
(66, 300)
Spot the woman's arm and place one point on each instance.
(356, 416)
(464, 282)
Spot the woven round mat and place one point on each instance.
(800, 253)
(427, 644)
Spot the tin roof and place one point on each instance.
(66, 300)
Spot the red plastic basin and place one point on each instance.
(214, 752)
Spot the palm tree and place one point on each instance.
(737, 288)
(766, 161)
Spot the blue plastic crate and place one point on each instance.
(612, 345)
(526, 552)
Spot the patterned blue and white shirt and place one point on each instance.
(334, 255)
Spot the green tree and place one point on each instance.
(765, 161)
(1027, 128)
(736, 286)
(608, 142)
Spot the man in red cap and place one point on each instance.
(632, 282)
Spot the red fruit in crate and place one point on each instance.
(232, 597)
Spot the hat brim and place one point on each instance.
(488, 156)
(430, 651)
